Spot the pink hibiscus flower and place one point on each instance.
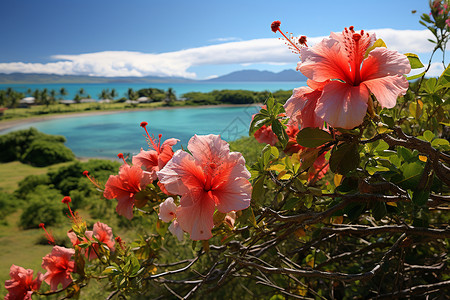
(102, 232)
(342, 78)
(59, 267)
(21, 285)
(154, 160)
(124, 187)
(212, 177)
(167, 210)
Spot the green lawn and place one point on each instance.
(13, 172)
(19, 247)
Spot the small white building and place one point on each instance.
(88, 100)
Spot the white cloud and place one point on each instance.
(225, 39)
(177, 63)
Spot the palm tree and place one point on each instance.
(45, 99)
(62, 92)
(52, 98)
(131, 94)
(104, 94)
(170, 96)
(113, 94)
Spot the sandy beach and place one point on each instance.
(6, 124)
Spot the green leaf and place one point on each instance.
(345, 158)
(313, 137)
(428, 135)
(280, 132)
(416, 76)
(379, 210)
(420, 197)
(414, 61)
(290, 203)
(258, 121)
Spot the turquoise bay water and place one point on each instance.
(94, 89)
(107, 135)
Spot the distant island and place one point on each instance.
(237, 76)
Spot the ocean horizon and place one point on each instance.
(95, 89)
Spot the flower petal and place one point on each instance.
(166, 152)
(387, 89)
(181, 173)
(195, 214)
(205, 148)
(383, 62)
(235, 195)
(167, 210)
(343, 105)
(325, 61)
(176, 230)
(300, 107)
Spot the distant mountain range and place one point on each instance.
(243, 75)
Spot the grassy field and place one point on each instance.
(13, 172)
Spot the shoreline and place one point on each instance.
(7, 124)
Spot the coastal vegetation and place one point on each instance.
(50, 103)
(30, 195)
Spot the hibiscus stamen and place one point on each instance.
(151, 140)
(120, 242)
(92, 180)
(76, 219)
(293, 44)
(120, 155)
(48, 235)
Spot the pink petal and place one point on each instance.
(176, 230)
(235, 195)
(167, 210)
(206, 148)
(181, 173)
(148, 160)
(195, 214)
(343, 105)
(325, 61)
(387, 89)
(301, 107)
(104, 234)
(166, 152)
(383, 62)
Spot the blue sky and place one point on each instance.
(195, 39)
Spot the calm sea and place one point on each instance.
(94, 89)
(107, 135)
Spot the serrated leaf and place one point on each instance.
(414, 61)
(313, 137)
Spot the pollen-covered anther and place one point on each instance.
(66, 200)
(143, 124)
(120, 155)
(302, 40)
(275, 26)
(356, 37)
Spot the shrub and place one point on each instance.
(29, 183)
(25, 146)
(44, 206)
(43, 153)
